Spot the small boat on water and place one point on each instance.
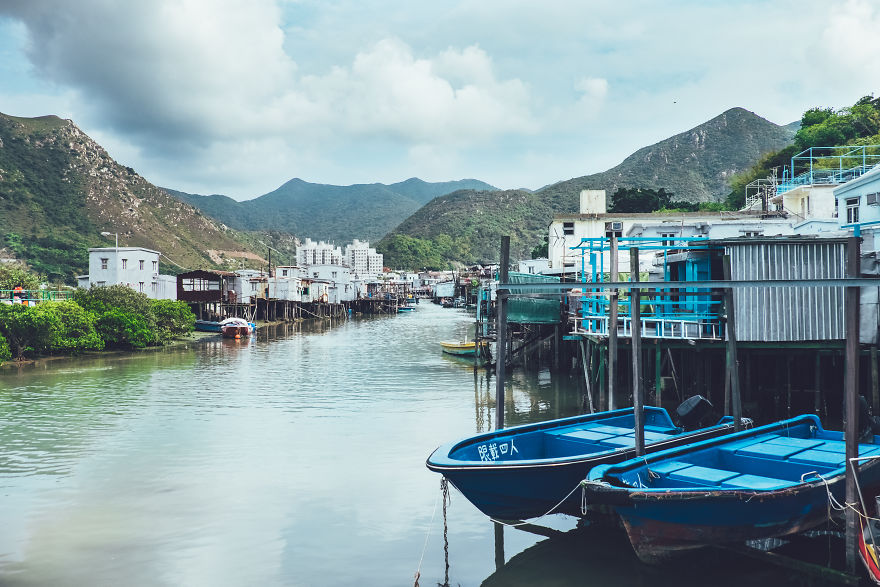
(462, 349)
(207, 326)
(765, 482)
(528, 471)
(236, 328)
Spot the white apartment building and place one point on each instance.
(320, 253)
(135, 267)
(363, 259)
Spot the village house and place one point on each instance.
(135, 267)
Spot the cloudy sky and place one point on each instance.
(238, 96)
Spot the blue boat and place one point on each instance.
(208, 326)
(531, 470)
(765, 482)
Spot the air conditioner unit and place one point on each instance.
(873, 199)
(614, 226)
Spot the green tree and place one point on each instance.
(12, 276)
(5, 354)
(27, 329)
(74, 328)
(121, 329)
(173, 318)
(542, 251)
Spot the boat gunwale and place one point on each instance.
(440, 461)
(624, 495)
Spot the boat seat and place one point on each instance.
(747, 481)
(665, 430)
(767, 450)
(613, 430)
(649, 436)
(803, 443)
(702, 475)
(828, 458)
(666, 467)
(586, 435)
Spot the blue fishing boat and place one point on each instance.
(765, 482)
(531, 470)
(208, 326)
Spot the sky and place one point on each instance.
(239, 96)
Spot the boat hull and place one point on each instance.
(768, 482)
(207, 326)
(459, 349)
(508, 489)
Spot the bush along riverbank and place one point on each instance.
(100, 318)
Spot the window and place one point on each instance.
(155, 266)
(104, 261)
(667, 238)
(101, 283)
(141, 287)
(125, 263)
(141, 265)
(852, 211)
(567, 228)
(284, 273)
(753, 233)
(333, 274)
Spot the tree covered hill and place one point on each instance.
(694, 166)
(328, 212)
(59, 190)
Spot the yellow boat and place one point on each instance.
(463, 348)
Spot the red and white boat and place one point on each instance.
(236, 328)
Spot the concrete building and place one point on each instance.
(320, 253)
(568, 231)
(363, 259)
(135, 267)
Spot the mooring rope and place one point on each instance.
(430, 526)
(547, 513)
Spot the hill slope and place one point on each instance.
(695, 165)
(328, 212)
(59, 190)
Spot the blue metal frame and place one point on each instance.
(668, 316)
(816, 165)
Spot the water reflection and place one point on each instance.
(599, 555)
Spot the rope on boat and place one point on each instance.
(548, 512)
(444, 492)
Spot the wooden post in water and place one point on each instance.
(636, 320)
(850, 401)
(732, 359)
(612, 325)
(501, 334)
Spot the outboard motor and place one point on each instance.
(693, 411)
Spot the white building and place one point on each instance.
(363, 259)
(594, 222)
(320, 253)
(135, 267)
(340, 287)
(534, 266)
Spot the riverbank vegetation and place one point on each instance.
(114, 317)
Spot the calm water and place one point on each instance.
(296, 458)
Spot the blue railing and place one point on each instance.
(828, 166)
(666, 315)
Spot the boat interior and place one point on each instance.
(763, 462)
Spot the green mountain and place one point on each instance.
(328, 212)
(696, 166)
(59, 190)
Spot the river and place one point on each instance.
(293, 458)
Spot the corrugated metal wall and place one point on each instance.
(788, 314)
